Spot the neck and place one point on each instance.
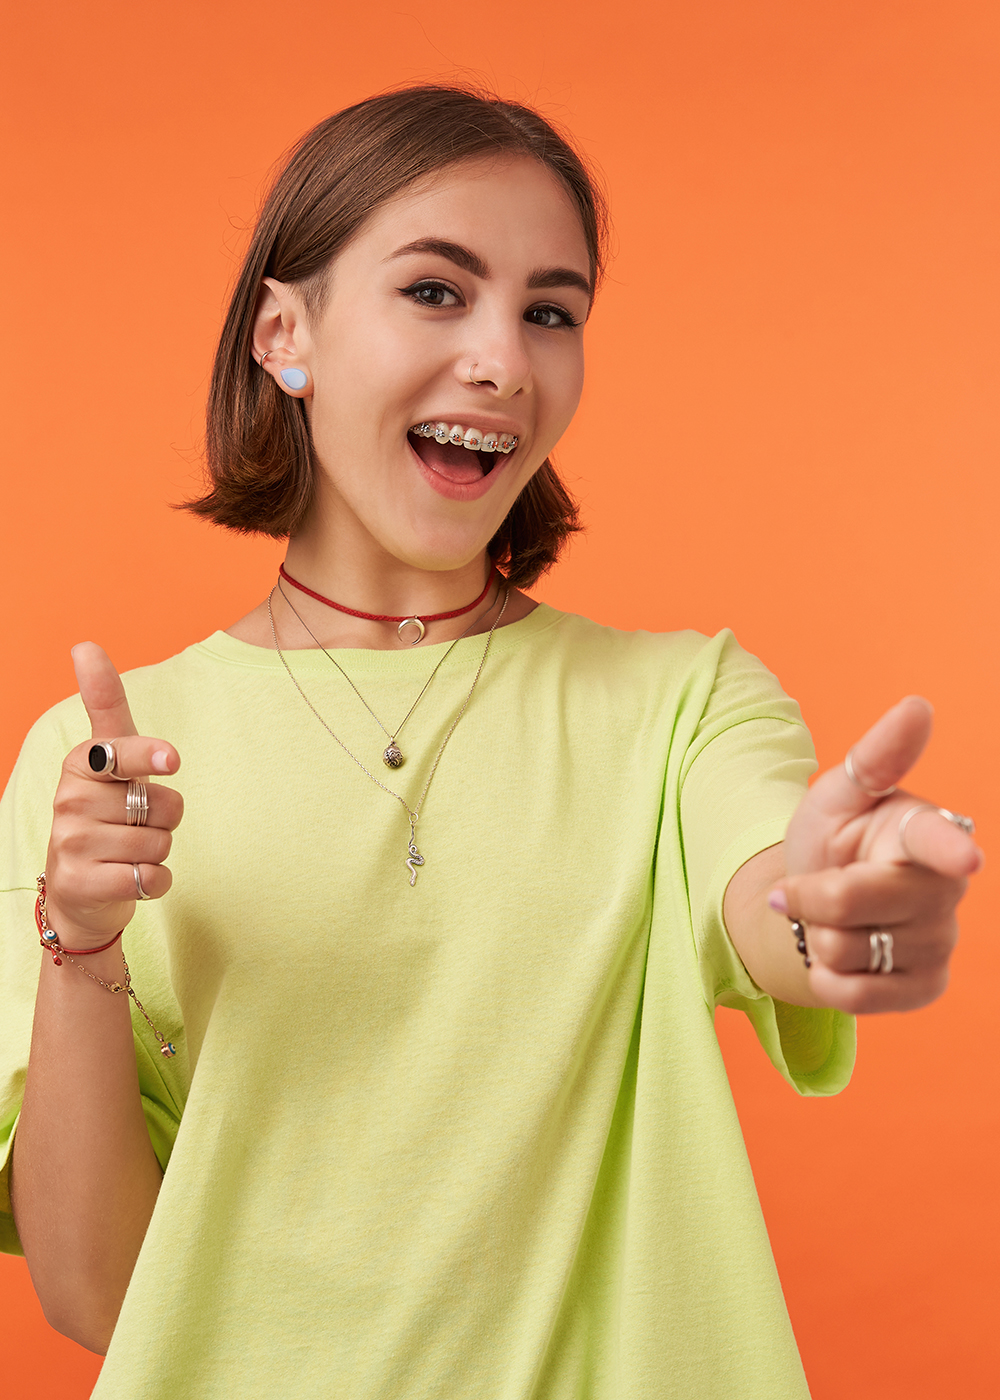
(393, 590)
(348, 566)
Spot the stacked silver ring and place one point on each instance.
(880, 954)
(136, 803)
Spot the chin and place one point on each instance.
(434, 540)
(435, 555)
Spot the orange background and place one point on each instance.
(790, 428)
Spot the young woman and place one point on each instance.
(423, 1097)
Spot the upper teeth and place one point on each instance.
(471, 438)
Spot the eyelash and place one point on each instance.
(568, 321)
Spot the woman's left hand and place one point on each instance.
(876, 879)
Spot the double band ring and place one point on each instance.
(140, 893)
(880, 951)
(136, 803)
(965, 824)
(869, 792)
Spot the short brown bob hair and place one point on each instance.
(261, 460)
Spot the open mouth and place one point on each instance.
(460, 454)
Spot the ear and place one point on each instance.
(281, 337)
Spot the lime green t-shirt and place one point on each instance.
(469, 1139)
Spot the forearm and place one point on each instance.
(84, 1178)
(763, 938)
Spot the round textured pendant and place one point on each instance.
(393, 757)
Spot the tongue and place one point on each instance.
(455, 464)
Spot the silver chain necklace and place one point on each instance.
(413, 858)
(392, 755)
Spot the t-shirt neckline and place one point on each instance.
(220, 646)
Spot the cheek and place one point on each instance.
(564, 395)
(369, 375)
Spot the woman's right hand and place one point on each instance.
(89, 875)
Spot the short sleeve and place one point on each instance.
(744, 773)
(25, 822)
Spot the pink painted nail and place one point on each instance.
(160, 760)
(777, 901)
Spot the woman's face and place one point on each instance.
(480, 274)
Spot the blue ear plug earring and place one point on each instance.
(295, 378)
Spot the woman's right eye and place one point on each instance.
(430, 294)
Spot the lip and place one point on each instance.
(455, 490)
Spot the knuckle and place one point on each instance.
(943, 941)
(173, 807)
(76, 839)
(920, 989)
(821, 945)
(833, 949)
(836, 897)
(860, 996)
(70, 799)
(154, 846)
(76, 757)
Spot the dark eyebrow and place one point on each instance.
(552, 277)
(465, 258)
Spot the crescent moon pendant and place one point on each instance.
(411, 622)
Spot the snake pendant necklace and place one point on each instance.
(392, 754)
(414, 858)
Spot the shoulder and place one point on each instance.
(693, 682)
(683, 657)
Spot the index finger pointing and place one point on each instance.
(102, 692)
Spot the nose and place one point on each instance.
(497, 359)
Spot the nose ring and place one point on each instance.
(472, 372)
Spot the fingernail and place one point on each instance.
(777, 901)
(160, 760)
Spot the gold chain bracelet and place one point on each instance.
(50, 942)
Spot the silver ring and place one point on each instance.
(880, 945)
(139, 891)
(472, 375)
(264, 357)
(965, 824)
(102, 760)
(136, 803)
(869, 792)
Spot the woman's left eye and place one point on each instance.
(430, 294)
(551, 317)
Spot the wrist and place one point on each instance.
(107, 968)
(65, 938)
